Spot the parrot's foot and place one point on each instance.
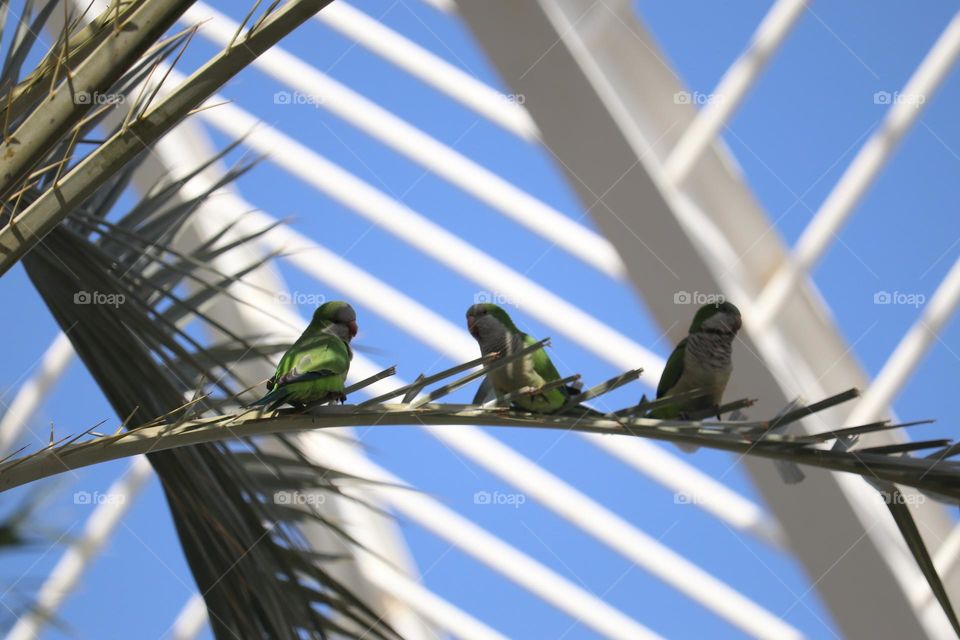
(683, 415)
(341, 398)
(716, 408)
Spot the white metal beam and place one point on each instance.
(910, 350)
(432, 239)
(177, 153)
(193, 617)
(487, 451)
(732, 89)
(584, 244)
(454, 342)
(430, 68)
(906, 107)
(32, 393)
(599, 522)
(477, 542)
(98, 529)
(597, 86)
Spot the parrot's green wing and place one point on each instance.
(549, 401)
(313, 369)
(541, 361)
(673, 369)
(314, 357)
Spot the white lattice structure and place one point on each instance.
(596, 105)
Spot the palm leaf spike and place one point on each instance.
(926, 474)
(555, 384)
(48, 209)
(498, 362)
(278, 613)
(604, 387)
(911, 535)
(646, 405)
(31, 141)
(789, 472)
(422, 381)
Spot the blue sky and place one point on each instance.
(795, 134)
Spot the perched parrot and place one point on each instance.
(315, 367)
(700, 361)
(495, 332)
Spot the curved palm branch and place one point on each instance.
(250, 562)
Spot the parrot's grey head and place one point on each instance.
(489, 324)
(721, 317)
(339, 317)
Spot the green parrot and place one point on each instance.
(315, 367)
(702, 360)
(495, 332)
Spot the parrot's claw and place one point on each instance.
(342, 398)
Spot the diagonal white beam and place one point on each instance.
(493, 455)
(429, 68)
(475, 541)
(454, 342)
(32, 393)
(615, 101)
(853, 184)
(98, 529)
(599, 522)
(446, 6)
(732, 89)
(193, 618)
(441, 159)
(432, 239)
(910, 350)
(121, 495)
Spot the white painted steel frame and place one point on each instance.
(614, 116)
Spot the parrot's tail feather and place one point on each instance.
(274, 399)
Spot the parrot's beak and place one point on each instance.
(353, 329)
(470, 324)
(737, 323)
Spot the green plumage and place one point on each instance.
(315, 368)
(543, 372)
(495, 332)
(701, 361)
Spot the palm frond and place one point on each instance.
(883, 467)
(34, 145)
(249, 560)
